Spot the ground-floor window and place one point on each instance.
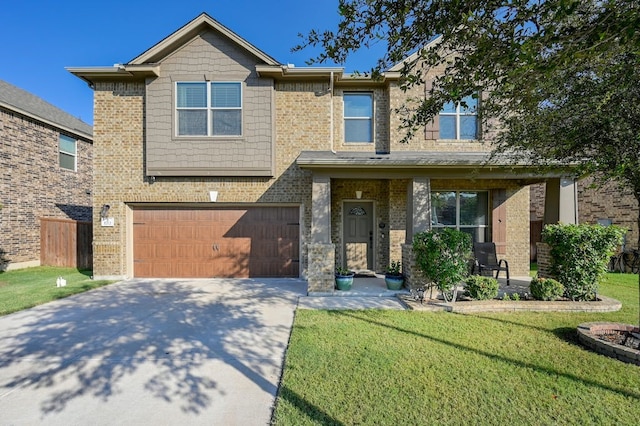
(467, 211)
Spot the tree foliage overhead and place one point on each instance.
(560, 79)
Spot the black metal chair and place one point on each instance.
(487, 260)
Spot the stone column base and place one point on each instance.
(321, 269)
(413, 277)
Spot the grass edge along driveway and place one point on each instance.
(409, 367)
(25, 288)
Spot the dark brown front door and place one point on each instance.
(202, 243)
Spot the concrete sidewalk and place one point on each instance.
(149, 352)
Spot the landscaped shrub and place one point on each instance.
(481, 288)
(580, 255)
(546, 288)
(443, 256)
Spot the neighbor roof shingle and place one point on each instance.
(21, 101)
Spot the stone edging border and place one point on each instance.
(588, 333)
(604, 304)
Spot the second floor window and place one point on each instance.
(209, 109)
(459, 121)
(67, 152)
(358, 117)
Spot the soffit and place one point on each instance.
(405, 164)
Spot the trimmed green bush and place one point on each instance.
(580, 255)
(443, 256)
(481, 288)
(546, 288)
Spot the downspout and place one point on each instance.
(331, 125)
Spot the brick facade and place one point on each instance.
(306, 116)
(33, 185)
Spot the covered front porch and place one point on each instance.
(365, 209)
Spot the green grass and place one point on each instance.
(25, 288)
(416, 367)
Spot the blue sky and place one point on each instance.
(41, 38)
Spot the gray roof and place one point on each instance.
(23, 102)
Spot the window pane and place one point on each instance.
(192, 122)
(473, 208)
(192, 95)
(468, 127)
(447, 127)
(227, 122)
(472, 105)
(449, 107)
(67, 161)
(478, 235)
(443, 208)
(67, 144)
(357, 131)
(225, 95)
(358, 105)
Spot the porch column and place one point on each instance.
(418, 207)
(418, 220)
(321, 209)
(321, 260)
(560, 202)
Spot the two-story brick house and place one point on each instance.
(45, 161)
(218, 161)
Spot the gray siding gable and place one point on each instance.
(210, 56)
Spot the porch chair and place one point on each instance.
(486, 260)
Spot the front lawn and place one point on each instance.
(410, 367)
(26, 288)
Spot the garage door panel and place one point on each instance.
(217, 242)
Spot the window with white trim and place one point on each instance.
(358, 117)
(209, 108)
(466, 211)
(459, 120)
(67, 152)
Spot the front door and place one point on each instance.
(358, 235)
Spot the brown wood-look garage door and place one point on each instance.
(222, 242)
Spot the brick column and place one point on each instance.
(321, 253)
(418, 207)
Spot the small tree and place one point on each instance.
(580, 255)
(443, 256)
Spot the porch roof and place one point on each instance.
(406, 164)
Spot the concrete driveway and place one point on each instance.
(149, 352)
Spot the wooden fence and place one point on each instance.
(65, 242)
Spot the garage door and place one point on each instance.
(223, 242)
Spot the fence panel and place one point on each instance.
(65, 242)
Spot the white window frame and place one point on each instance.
(370, 119)
(209, 109)
(73, 154)
(457, 115)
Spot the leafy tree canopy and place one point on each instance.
(560, 79)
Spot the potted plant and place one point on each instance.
(344, 278)
(393, 276)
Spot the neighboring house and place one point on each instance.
(46, 164)
(606, 205)
(216, 160)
